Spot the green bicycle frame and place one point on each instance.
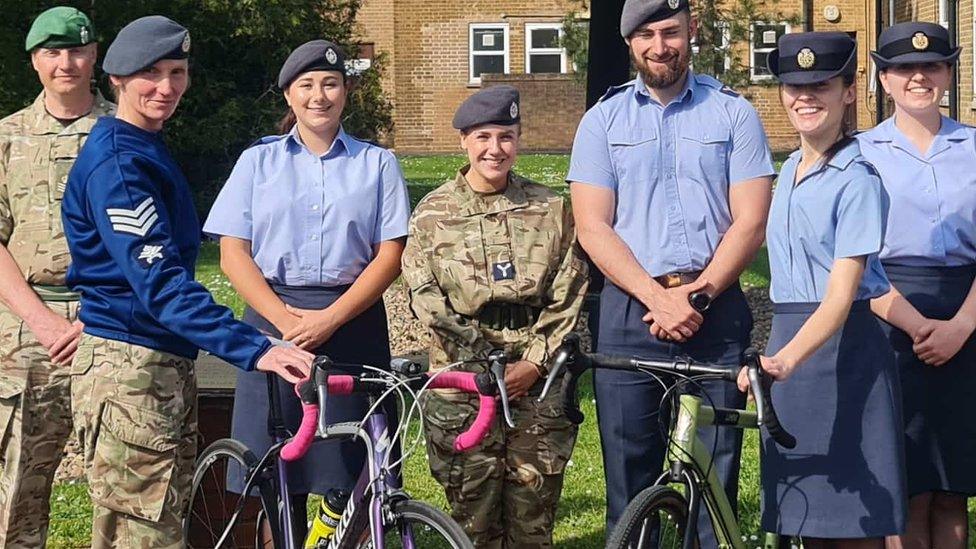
(687, 448)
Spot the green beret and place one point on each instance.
(60, 27)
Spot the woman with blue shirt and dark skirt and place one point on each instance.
(927, 162)
(312, 224)
(843, 484)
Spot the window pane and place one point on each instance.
(759, 63)
(545, 38)
(766, 36)
(494, 64)
(549, 62)
(488, 40)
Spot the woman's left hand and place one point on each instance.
(937, 341)
(314, 328)
(519, 377)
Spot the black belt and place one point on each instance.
(498, 316)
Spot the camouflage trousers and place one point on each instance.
(35, 423)
(503, 493)
(135, 412)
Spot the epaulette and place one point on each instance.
(870, 167)
(712, 82)
(614, 90)
(266, 139)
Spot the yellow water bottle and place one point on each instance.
(327, 518)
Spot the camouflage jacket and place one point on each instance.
(467, 249)
(36, 154)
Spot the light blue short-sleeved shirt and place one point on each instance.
(671, 167)
(312, 220)
(837, 210)
(932, 220)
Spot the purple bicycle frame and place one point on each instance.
(375, 434)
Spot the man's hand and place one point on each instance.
(937, 341)
(48, 328)
(314, 328)
(670, 316)
(290, 363)
(519, 377)
(63, 350)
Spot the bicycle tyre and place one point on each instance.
(431, 528)
(211, 507)
(658, 508)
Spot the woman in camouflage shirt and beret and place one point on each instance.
(492, 262)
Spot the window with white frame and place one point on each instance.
(764, 39)
(724, 37)
(543, 54)
(487, 50)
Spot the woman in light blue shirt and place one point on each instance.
(843, 484)
(928, 166)
(312, 224)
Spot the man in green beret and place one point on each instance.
(39, 330)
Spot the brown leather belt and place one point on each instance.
(673, 280)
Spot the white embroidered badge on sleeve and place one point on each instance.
(149, 254)
(137, 221)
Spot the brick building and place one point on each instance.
(437, 51)
(440, 51)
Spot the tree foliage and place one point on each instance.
(576, 40)
(238, 47)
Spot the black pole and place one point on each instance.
(807, 15)
(953, 8)
(609, 62)
(879, 93)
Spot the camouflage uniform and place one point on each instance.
(138, 432)
(36, 153)
(497, 271)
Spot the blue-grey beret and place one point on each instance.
(914, 42)
(317, 55)
(811, 57)
(492, 105)
(143, 42)
(639, 12)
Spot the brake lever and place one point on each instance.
(320, 376)
(499, 360)
(563, 355)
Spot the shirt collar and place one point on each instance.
(474, 203)
(845, 156)
(342, 143)
(42, 122)
(686, 93)
(949, 131)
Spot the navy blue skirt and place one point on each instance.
(328, 464)
(846, 476)
(939, 402)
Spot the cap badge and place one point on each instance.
(83, 34)
(806, 59)
(673, 4)
(920, 41)
(513, 110)
(185, 46)
(330, 56)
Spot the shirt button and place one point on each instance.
(315, 206)
(315, 237)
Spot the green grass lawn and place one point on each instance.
(581, 511)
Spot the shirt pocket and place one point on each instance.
(535, 248)
(64, 152)
(704, 152)
(459, 252)
(636, 156)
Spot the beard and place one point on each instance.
(675, 65)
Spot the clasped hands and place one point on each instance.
(669, 314)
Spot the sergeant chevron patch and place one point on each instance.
(137, 221)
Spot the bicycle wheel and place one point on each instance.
(655, 519)
(210, 521)
(425, 526)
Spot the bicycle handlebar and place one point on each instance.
(569, 357)
(314, 390)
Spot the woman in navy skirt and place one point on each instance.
(927, 163)
(843, 485)
(312, 225)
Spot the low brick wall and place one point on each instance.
(552, 106)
